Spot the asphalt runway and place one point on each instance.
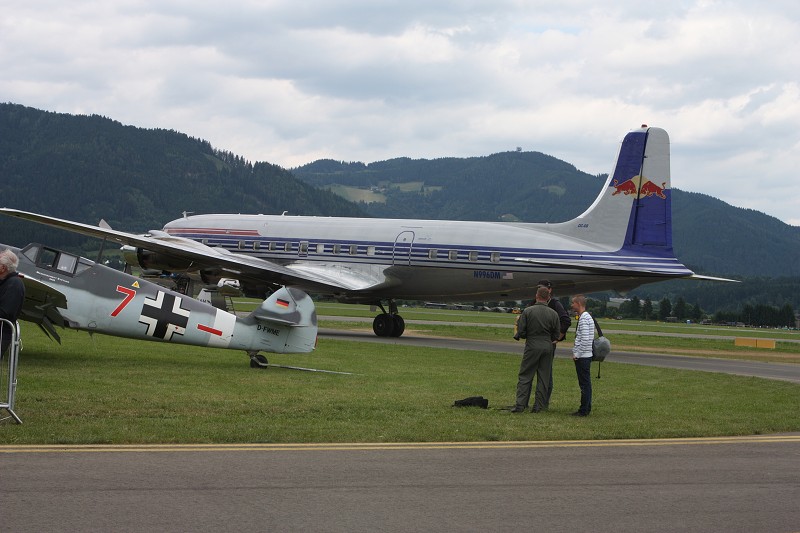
(749, 484)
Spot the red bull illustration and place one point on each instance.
(647, 189)
(626, 187)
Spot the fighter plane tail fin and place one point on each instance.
(289, 306)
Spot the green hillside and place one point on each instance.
(709, 235)
(89, 167)
(527, 186)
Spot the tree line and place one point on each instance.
(760, 315)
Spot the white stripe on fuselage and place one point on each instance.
(224, 322)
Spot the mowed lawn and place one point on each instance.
(107, 390)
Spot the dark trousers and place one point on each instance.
(534, 361)
(4, 344)
(583, 367)
(550, 388)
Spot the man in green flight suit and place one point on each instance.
(539, 326)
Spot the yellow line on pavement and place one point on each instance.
(385, 446)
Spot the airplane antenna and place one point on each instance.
(284, 213)
(105, 225)
(187, 213)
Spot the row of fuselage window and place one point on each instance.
(304, 248)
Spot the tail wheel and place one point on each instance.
(258, 361)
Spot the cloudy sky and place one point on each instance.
(290, 82)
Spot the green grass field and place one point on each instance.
(107, 390)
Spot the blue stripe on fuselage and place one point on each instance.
(656, 259)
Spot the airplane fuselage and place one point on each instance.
(66, 290)
(417, 259)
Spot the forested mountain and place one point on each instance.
(89, 167)
(524, 186)
(709, 235)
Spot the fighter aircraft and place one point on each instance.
(63, 289)
(624, 239)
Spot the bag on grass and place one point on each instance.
(472, 401)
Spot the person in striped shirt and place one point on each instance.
(582, 353)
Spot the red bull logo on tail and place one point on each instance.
(626, 187)
(647, 189)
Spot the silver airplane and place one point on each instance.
(624, 239)
(63, 289)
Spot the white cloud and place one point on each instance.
(354, 80)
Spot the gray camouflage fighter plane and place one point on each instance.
(65, 290)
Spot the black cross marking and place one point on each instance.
(164, 316)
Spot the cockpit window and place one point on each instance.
(47, 258)
(56, 260)
(66, 263)
(31, 251)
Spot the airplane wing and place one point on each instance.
(609, 267)
(233, 265)
(41, 306)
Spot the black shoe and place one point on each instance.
(537, 410)
(518, 409)
(578, 413)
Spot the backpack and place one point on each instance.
(472, 401)
(601, 346)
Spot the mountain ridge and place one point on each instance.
(707, 232)
(85, 168)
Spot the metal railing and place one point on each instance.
(8, 369)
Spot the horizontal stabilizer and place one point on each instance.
(712, 278)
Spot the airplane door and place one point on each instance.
(401, 252)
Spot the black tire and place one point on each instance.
(383, 325)
(399, 325)
(258, 361)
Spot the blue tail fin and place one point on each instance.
(632, 211)
(650, 224)
(628, 228)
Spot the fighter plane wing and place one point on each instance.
(41, 306)
(200, 256)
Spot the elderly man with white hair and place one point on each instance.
(12, 295)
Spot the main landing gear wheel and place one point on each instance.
(388, 325)
(399, 325)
